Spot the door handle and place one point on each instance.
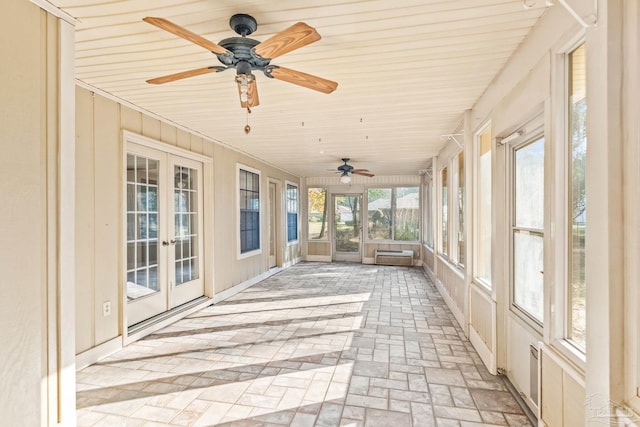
(173, 242)
(165, 243)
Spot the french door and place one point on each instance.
(347, 227)
(163, 232)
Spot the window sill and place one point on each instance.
(482, 286)
(249, 254)
(574, 357)
(456, 268)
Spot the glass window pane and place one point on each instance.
(317, 221)
(131, 227)
(249, 212)
(379, 213)
(406, 216)
(527, 272)
(131, 256)
(529, 182)
(292, 213)
(577, 192)
(153, 283)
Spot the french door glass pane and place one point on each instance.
(142, 226)
(347, 226)
(185, 196)
(527, 272)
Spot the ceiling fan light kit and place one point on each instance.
(347, 169)
(246, 55)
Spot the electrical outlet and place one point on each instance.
(106, 308)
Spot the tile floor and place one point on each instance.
(315, 345)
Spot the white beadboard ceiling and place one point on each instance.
(406, 72)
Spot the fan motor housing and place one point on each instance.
(241, 49)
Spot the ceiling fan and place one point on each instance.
(347, 169)
(246, 55)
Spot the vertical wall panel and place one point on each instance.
(151, 127)
(131, 120)
(22, 214)
(168, 133)
(197, 144)
(84, 293)
(107, 215)
(183, 139)
(551, 398)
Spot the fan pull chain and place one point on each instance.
(247, 128)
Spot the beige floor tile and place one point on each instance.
(318, 344)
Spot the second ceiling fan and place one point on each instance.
(246, 55)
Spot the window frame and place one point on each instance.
(458, 211)
(427, 206)
(484, 282)
(393, 189)
(568, 163)
(258, 251)
(558, 296)
(443, 246)
(295, 186)
(529, 138)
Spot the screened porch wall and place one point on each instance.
(100, 123)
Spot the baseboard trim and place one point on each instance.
(523, 405)
(451, 304)
(228, 293)
(488, 358)
(98, 352)
(319, 258)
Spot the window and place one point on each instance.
(292, 213)
(317, 212)
(249, 189)
(528, 228)
(444, 243)
(577, 195)
(483, 203)
(459, 162)
(394, 213)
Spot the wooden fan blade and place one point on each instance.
(252, 96)
(361, 172)
(304, 79)
(182, 75)
(294, 37)
(185, 34)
